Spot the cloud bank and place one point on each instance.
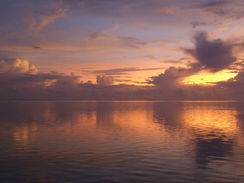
(20, 80)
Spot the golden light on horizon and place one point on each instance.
(207, 78)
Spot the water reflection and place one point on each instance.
(214, 129)
(206, 150)
(122, 141)
(211, 120)
(104, 114)
(168, 113)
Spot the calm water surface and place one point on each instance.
(125, 142)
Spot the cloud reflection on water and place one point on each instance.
(169, 135)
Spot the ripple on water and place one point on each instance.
(130, 142)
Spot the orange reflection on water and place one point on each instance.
(211, 122)
(22, 133)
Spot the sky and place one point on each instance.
(76, 48)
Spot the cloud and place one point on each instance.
(196, 24)
(144, 28)
(182, 60)
(213, 55)
(36, 47)
(234, 86)
(239, 79)
(223, 8)
(66, 81)
(123, 71)
(19, 82)
(36, 23)
(105, 80)
(220, 9)
(150, 57)
(131, 81)
(116, 41)
(15, 66)
(215, 3)
(171, 77)
(20, 79)
(140, 17)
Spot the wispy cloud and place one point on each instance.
(37, 22)
(122, 71)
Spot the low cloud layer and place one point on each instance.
(20, 80)
(235, 86)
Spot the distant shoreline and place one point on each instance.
(184, 101)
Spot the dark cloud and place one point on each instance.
(171, 77)
(234, 86)
(213, 55)
(239, 79)
(36, 47)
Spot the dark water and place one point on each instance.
(191, 142)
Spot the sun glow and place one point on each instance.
(207, 78)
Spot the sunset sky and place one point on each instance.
(131, 42)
